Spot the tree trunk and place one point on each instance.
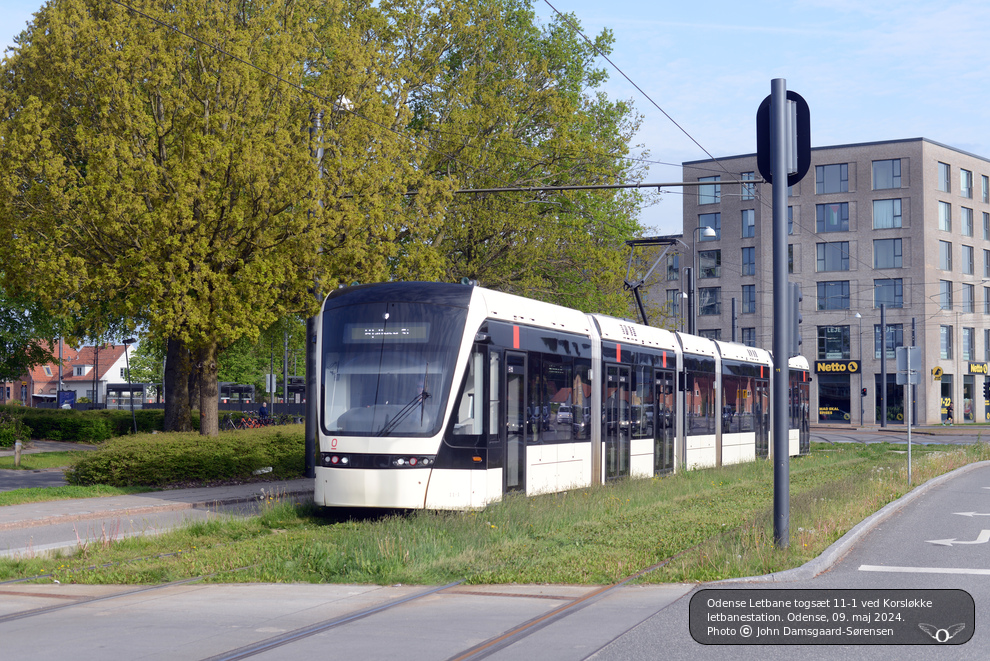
(177, 366)
(208, 369)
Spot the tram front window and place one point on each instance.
(388, 367)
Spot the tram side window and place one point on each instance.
(737, 403)
(700, 403)
(642, 402)
(581, 401)
(558, 396)
(468, 412)
(537, 409)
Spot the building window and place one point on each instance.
(711, 334)
(713, 220)
(945, 342)
(986, 303)
(790, 258)
(986, 187)
(968, 262)
(969, 298)
(886, 214)
(48, 370)
(832, 178)
(833, 295)
(749, 261)
(965, 183)
(986, 226)
(674, 267)
(749, 337)
(833, 256)
(674, 302)
(895, 338)
(943, 177)
(790, 221)
(749, 299)
(945, 255)
(832, 217)
(748, 190)
(986, 345)
(889, 292)
(986, 263)
(833, 343)
(969, 343)
(887, 254)
(710, 301)
(709, 193)
(887, 174)
(945, 216)
(709, 264)
(966, 221)
(945, 294)
(748, 223)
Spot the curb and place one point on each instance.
(844, 544)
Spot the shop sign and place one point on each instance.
(936, 374)
(837, 366)
(978, 368)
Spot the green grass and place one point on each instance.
(40, 495)
(41, 460)
(707, 524)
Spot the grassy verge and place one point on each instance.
(715, 523)
(42, 460)
(41, 495)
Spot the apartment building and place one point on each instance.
(902, 223)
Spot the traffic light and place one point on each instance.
(864, 392)
(795, 296)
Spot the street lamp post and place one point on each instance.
(861, 359)
(707, 232)
(127, 359)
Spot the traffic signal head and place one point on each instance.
(795, 296)
(864, 392)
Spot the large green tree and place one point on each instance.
(507, 103)
(167, 175)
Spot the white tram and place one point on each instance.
(446, 396)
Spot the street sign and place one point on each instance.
(902, 355)
(798, 138)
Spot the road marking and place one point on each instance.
(925, 570)
(972, 514)
(982, 539)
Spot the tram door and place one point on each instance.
(761, 414)
(663, 455)
(515, 422)
(617, 421)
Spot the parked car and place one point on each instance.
(564, 415)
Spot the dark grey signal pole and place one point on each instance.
(781, 317)
(783, 146)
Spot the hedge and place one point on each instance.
(88, 426)
(159, 460)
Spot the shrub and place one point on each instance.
(159, 460)
(12, 428)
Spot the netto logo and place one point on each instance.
(942, 635)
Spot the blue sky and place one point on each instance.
(870, 71)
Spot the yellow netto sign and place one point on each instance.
(837, 366)
(978, 368)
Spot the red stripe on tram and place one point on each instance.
(515, 337)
